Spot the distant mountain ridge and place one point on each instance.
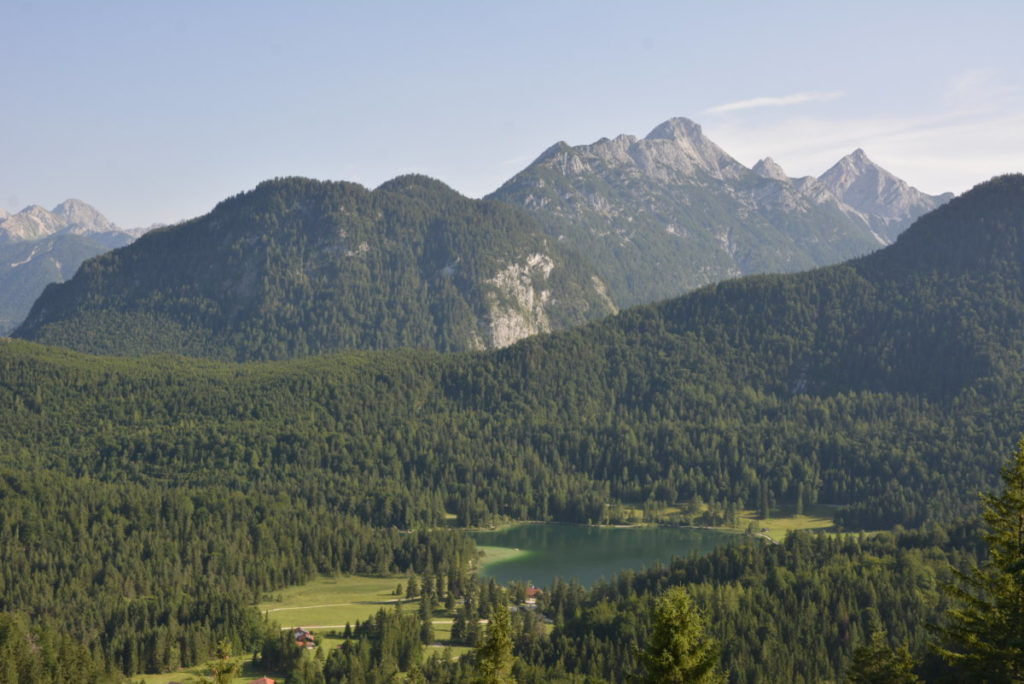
(69, 217)
(672, 211)
(880, 385)
(621, 222)
(40, 246)
(888, 203)
(298, 267)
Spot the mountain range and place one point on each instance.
(670, 212)
(299, 267)
(889, 387)
(38, 247)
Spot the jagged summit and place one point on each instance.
(81, 218)
(677, 128)
(75, 208)
(554, 150)
(678, 148)
(768, 168)
(673, 211)
(70, 216)
(858, 156)
(870, 189)
(31, 223)
(857, 169)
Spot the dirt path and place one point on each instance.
(433, 622)
(322, 605)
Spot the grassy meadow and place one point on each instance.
(324, 605)
(785, 520)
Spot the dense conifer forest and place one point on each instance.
(298, 267)
(148, 502)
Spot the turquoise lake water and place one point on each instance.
(590, 553)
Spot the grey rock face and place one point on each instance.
(890, 204)
(73, 217)
(31, 223)
(767, 168)
(81, 219)
(672, 211)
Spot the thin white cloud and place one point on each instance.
(973, 130)
(780, 101)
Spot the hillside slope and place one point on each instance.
(39, 247)
(889, 386)
(299, 267)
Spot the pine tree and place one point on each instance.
(678, 649)
(494, 657)
(984, 636)
(877, 663)
(426, 619)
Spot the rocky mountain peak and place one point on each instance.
(859, 158)
(31, 223)
(70, 216)
(678, 128)
(852, 167)
(81, 218)
(679, 147)
(870, 189)
(768, 168)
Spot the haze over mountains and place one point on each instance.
(670, 212)
(38, 247)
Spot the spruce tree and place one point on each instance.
(678, 648)
(983, 637)
(877, 663)
(494, 657)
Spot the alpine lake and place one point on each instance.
(538, 553)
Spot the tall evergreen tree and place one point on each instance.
(984, 636)
(877, 663)
(494, 657)
(678, 649)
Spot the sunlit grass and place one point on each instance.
(783, 521)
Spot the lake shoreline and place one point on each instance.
(538, 552)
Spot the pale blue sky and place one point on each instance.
(154, 111)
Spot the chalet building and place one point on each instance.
(304, 638)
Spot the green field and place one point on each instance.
(325, 604)
(783, 521)
(333, 601)
(247, 674)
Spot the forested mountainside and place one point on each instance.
(27, 267)
(299, 267)
(39, 247)
(890, 387)
(762, 385)
(671, 212)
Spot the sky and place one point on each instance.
(154, 111)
